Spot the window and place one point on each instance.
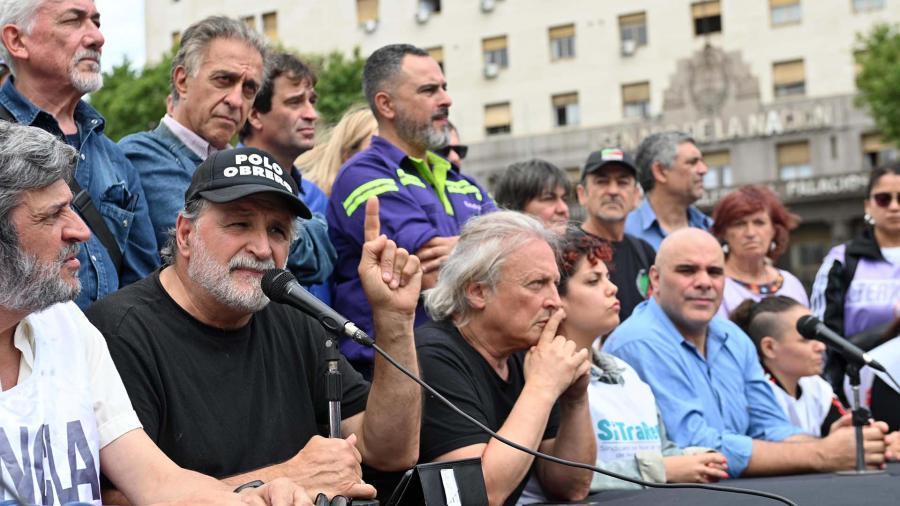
(494, 49)
(270, 25)
(366, 10)
(430, 6)
(249, 21)
(438, 54)
(789, 78)
(794, 160)
(875, 151)
(867, 5)
(562, 42)
(497, 119)
(785, 12)
(636, 100)
(719, 173)
(707, 17)
(176, 39)
(632, 32)
(565, 109)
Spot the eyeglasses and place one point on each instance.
(884, 199)
(461, 150)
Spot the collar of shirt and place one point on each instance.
(696, 219)
(433, 169)
(198, 145)
(716, 331)
(23, 340)
(27, 113)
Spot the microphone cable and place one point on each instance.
(557, 460)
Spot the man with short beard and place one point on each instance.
(424, 200)
(232, 386)
(62, 398)
(53, 51)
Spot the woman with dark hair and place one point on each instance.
(857, 288)
(538, 188)
(792, 362)
(753, 226)
(631, 438)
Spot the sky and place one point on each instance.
(122, 24)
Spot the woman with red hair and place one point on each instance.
(753, 226)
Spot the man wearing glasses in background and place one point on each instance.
(454, 152)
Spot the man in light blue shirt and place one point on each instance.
(706, 377)
(670, 170)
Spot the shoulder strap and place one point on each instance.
(83, 203)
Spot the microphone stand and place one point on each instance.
(333, 384)
(861, 417)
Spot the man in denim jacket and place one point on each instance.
(54, 54)
(216, 75)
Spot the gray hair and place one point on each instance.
(660, 147)
(191, 211)
(483, 247)
(19, 13)
(196, 40)
(382, 66)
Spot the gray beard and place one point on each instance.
(424, 136)
(28, 285)
(216, 279)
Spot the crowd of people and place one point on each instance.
(141, 361)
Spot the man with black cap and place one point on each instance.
(608, 191)
(228, 383)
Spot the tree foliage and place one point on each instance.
(133, 100)
(878, 58)
(340, 82)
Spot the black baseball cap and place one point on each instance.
(608, 156)
(232, 174)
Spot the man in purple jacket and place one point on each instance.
(424, 202)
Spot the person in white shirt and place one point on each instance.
(61, 398)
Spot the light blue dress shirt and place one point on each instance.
(642, 222)
(720, 401)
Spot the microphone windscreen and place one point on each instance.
(806, 326)
(274, 282)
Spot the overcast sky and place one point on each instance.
(122, 24)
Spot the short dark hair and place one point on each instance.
(383, 65)
(760, 319)
(522, 182)
(277, 65)
(879, 172)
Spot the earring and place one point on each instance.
(773, 245)
(725, 248)
(869, 219)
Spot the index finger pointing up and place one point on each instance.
(372, 224)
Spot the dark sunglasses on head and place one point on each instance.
(883, 199)
(461, 151)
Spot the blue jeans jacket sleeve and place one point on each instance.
(165, 167)
(312, 255)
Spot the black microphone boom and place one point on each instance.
(811, 327)
(281, 286)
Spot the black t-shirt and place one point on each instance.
(215, 401)
(456, 370)
(630, 268)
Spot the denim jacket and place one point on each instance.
(114, 186)
(166, 166)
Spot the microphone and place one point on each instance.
(811, 327)
(281, 286)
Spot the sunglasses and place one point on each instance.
(884, 199)
(461, 151)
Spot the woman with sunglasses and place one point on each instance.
(631, 438)
(753, 226)
(857, 289)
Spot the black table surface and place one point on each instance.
(807, 489)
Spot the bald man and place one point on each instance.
(707, 379)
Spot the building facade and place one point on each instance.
(766, 87)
